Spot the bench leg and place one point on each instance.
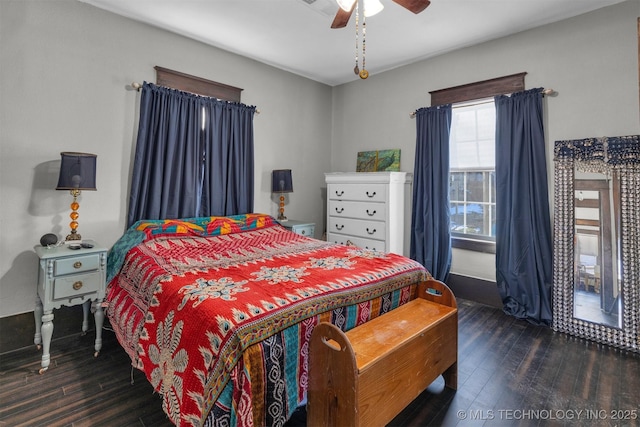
(333, 382)
(451, 377)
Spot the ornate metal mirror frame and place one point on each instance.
(618, 158)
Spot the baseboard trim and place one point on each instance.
(18, 330)
(474, 289)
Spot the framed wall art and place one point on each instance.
(379, 160)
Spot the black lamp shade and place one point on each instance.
(281, 181)
(77, 171)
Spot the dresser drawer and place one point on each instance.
(76, 285)
(356, 227)
(76, 264)
(365, 192)
(375, 245)
(361, 210)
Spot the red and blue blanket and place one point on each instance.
(218, 311)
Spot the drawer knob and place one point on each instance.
(77, 264)
(371, 232)
(340, 211)
(371, 213)
(339, 227)
(303, 232)
(77, 285)
(371, 195)
(339, 193)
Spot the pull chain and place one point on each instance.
(364, 73)
(356, 69)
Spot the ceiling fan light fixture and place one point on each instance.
(372, 7)
(346, 5)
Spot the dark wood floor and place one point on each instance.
(511, 373)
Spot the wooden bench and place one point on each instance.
(368, 375)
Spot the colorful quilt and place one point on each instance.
(218, 312)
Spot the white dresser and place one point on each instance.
(370, 210)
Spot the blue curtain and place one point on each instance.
(430, 216)
(166, 172)
(228, 164)
(175, 154)
(524, 257)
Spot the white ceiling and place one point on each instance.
(296, 36)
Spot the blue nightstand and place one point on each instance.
(69, 277)
(300, 227)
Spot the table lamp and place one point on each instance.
(281, 182)
(77, 172)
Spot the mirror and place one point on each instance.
(597, 240)
(596, 288)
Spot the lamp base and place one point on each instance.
(74, 236)
(281, 216)
(74, 216)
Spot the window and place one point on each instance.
(472, 187)
(472, 190)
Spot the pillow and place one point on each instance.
(145, 230)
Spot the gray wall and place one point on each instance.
(590, 60)
(65, 69)
(66, 65)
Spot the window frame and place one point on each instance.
(471, 92)
(487, 203)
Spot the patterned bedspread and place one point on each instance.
(218, 312)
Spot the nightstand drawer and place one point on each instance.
(300, 227)
(76, 285)
(305, 230)
(76, 264)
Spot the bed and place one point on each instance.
(218, 311)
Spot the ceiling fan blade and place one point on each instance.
(415, 6)
(342, 17)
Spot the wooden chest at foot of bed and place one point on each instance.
(368, 375)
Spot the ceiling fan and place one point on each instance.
(347, 6)
(370, 8)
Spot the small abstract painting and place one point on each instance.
(379, 160)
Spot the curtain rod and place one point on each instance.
(547, 92)
(137, 87)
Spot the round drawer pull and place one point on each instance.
(371, 232)
(371, 213)
(371, 195)
(303, 232)
(77, 264)
(77, 285)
